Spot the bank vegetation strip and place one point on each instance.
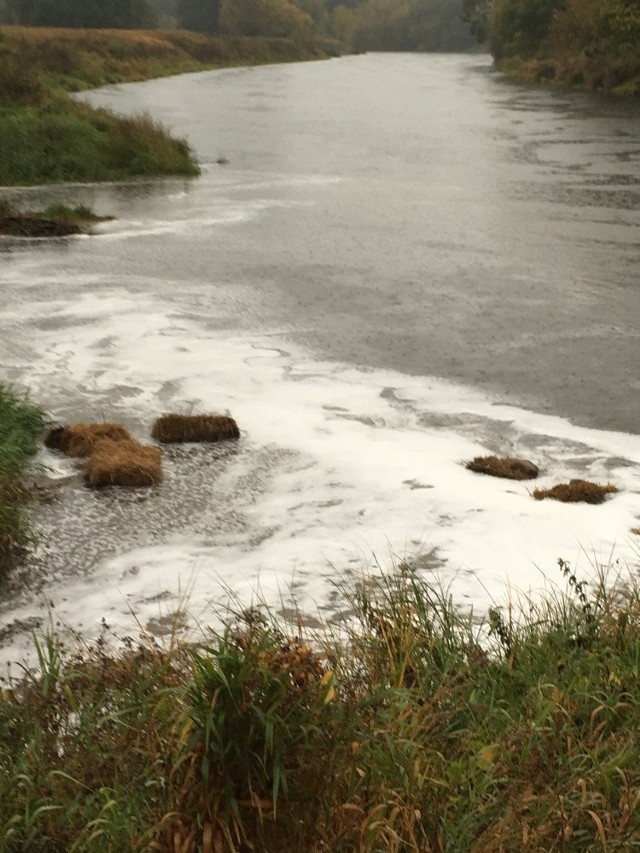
(414, 729)
(587, 44)
(21, 425)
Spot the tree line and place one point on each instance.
(591, 29)
(357, 24)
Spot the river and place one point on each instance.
(391, 263)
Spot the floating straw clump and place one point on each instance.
(176, 428)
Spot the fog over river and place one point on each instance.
(391, 263)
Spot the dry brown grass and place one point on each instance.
(123, 463)
(174, 428)
(497, 466)
(80, 439)
(39, 35)
(577, 491)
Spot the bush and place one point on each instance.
(520, 27)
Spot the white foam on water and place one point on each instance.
(375, 471)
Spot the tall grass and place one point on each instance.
(419, 729)
(72, 142)
(21, 424)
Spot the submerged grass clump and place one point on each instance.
(503, 466)
(123, 463)
(57, 220)
(577, 491)
(81, 438)
(417, 730)
(181, 428)
(21, 424)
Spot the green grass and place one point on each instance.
(72, 142)
(21, 425)
(418, 729)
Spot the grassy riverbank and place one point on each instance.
(410, 734)
(45, 137)
(21, 425)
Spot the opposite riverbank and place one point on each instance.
(46, 137)
(591, 74)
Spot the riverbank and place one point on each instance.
(45, 137)
(415, 729)
(575, 72)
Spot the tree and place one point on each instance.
(100, 14)
(420, 25)
(519, 27)
(477, 14)
(378, 24)
(200, 15)
(264, 18)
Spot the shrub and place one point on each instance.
(510, 469)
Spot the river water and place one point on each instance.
(390, 263)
